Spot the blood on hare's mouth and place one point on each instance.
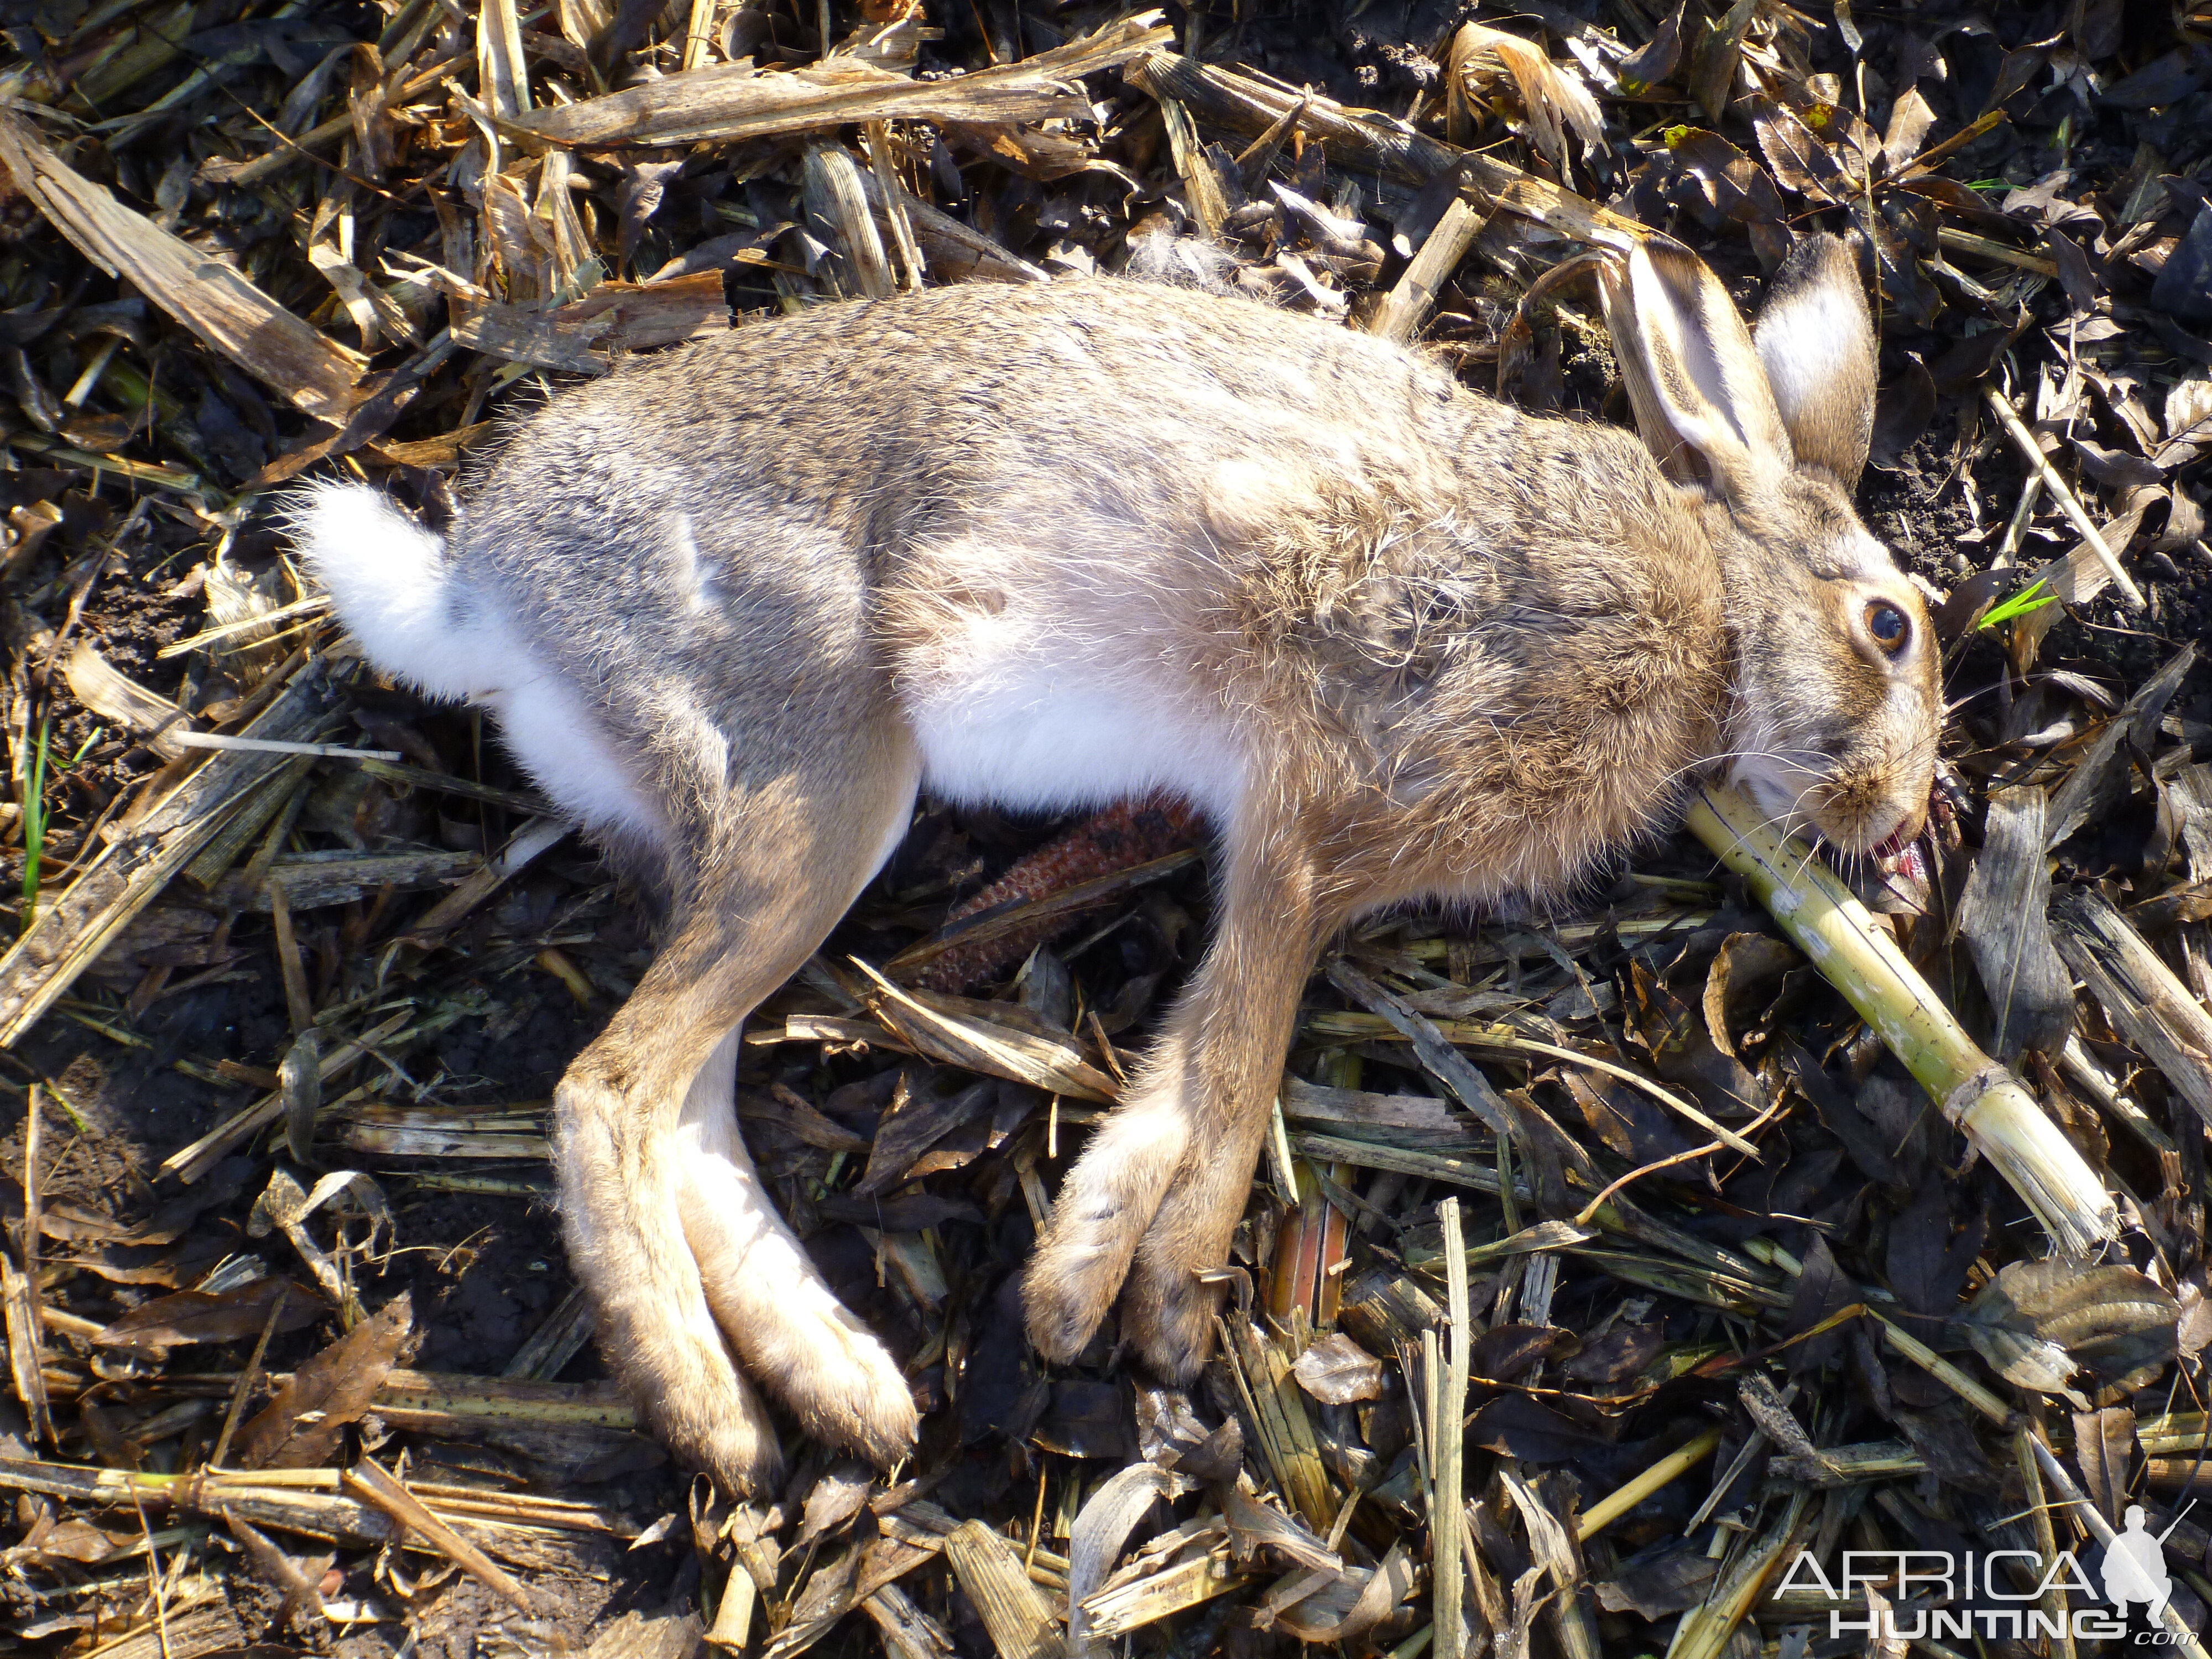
(1900, 856)
(1900, 862)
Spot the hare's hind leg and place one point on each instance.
(666, 1222)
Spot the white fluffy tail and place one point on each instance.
(386, 576)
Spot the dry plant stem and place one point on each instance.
(369, 1481)
(246, 1379)
(1674, 1465)
(271, 746)
(733, 1614)
(877, 134)
(2046, 1539)
(298, 1001)
(1860, 959)
(1704, 1631)
(1408, 306)
(1945, 1372)
(32, 1220)
(1018, 1616)
(2017, 526)
(1446, 1429)
(2071, 1494)
(2145, 1000)
(2061, 492)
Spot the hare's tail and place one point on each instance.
(389, 580)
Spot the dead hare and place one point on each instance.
(1052, 546)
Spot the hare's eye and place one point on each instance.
(1887, 625)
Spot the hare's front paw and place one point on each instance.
(1175, 1290)
(619, 1208)
(1104, 1206)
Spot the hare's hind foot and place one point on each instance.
(1155, 1197)
(788, 1329)
(1175, 1288)
(621, 1214)
(693, 1277)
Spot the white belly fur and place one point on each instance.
(1039, 733)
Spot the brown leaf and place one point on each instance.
(1621, 1351)
(1727, 184)
(1909, 121)
(169, 1322)
(1315, 1620)
(2075, 274)
(299, 1427)
(1822, 1290)
(1505, 1352)
(2004, 916)
(1742, 982)
(1336, 1370)
(912, 1126)
(1653, 1586)
(2104, 1443)
(79, 1541)
(1517, 1426)
(295, 1581)
(2194, 1328)
(2116, 1321)
(1800, 160)
(835, 1499)
(1658, 57)
(1902, 413)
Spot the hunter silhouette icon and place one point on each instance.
(2134, 1568)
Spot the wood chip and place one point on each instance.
(1013, 1610)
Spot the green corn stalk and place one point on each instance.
(1860, 959)
(34, 824)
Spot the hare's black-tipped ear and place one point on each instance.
(1692, 375)
(1816, 340)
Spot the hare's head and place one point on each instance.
(1838, 693)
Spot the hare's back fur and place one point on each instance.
(1091, 539)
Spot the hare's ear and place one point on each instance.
(1691, 373)
(1816, 339)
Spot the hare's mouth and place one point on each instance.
(1900, 857)
(1893, 869)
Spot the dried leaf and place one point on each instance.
(1552, 94)
(730, 101)
(1101, 1528)
(2104, 1446)
(299, 1427)
(1516, 1426)
(837, 1496)
(1380, 1590)
(2003, 915)
(2115, 1320)
(1336, 1370)
(184, 1316)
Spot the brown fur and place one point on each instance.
(1399, 639)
